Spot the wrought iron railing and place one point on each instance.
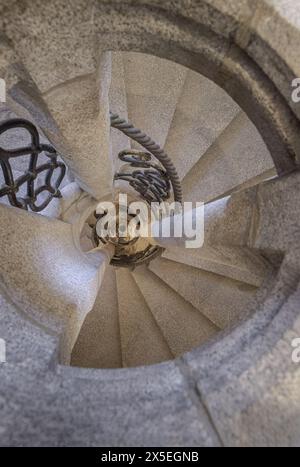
(153, 148)
(153, 180)
(150, 180)
(36, 198)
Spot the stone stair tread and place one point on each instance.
(153, 87)
(181, 324)
(252, 182)
(203, 111)
(98, 344)
(237, 156)
(240, 264)
(80, 110)
(52, 281)
(223, 301)
(142, 342)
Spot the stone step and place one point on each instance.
(241, 264)
(99, 342)
(236, 157)
(142, 342)
(229, 221)
(86, 238)
(253, 182)
(203, 111)
(153, 87)
(80, 109)
(183, 327)
(223, 301)
(277, 214)
(62, 208)
(48, 277)
(26, 344)
(71, 110)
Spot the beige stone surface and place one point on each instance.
(153, 87)
(181, 324)
(230, 221)
(276, 215)
(99, 341)
(81, 111)
(241, 264)
(223, 301)
(60, 208)
(55, 39)
(257, 404)
(46, 275)
(227, 222)
(74, 116)
(242, 390)
(222, 17)
(142, 341)
(202, 113)
(276, 23)
(236, 157)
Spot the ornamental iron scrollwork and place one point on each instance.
(48, 168)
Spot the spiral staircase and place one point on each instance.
(192, 347)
